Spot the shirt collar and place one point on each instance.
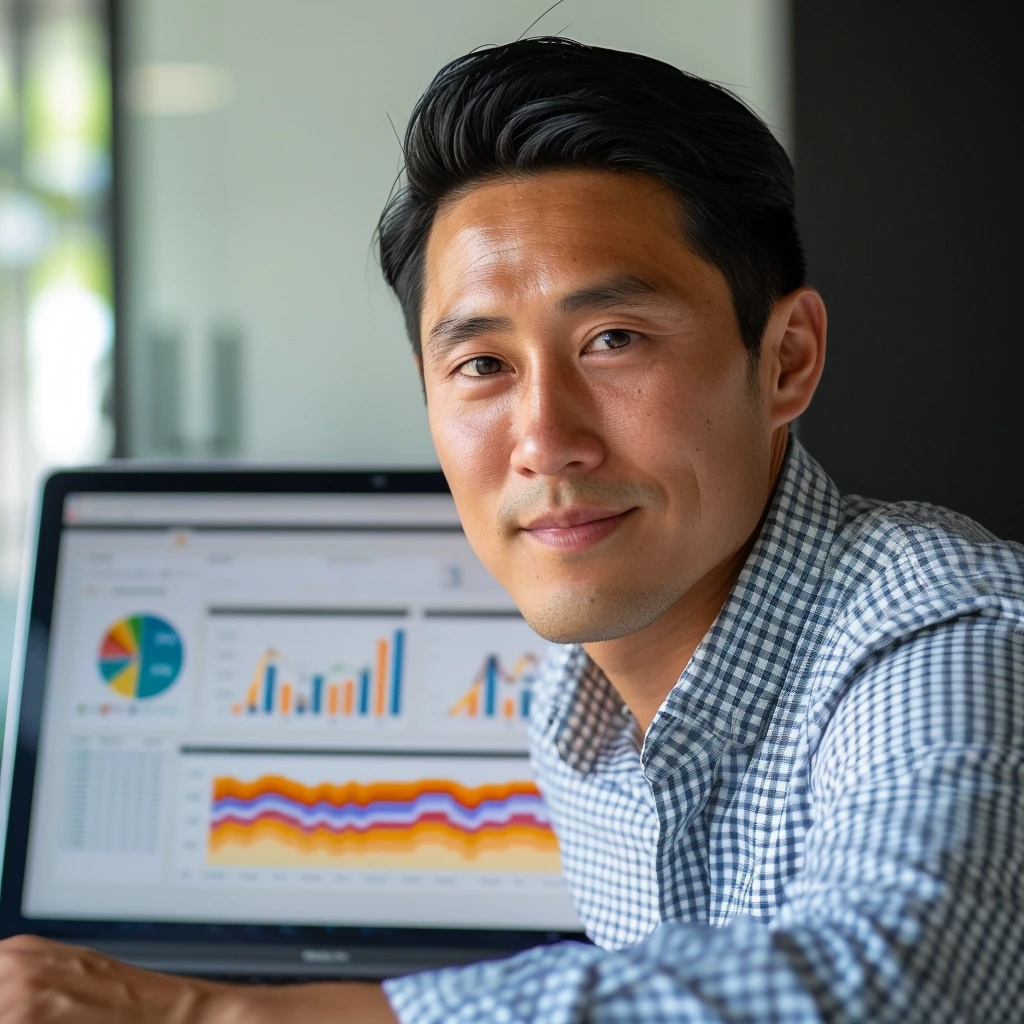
(734, 678)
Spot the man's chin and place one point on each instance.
(572, 617)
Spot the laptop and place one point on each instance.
(271, 724)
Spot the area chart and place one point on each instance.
(426, 824)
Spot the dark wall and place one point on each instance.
(910, 184)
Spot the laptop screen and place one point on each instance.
(286, 710)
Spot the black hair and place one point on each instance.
(552, 103)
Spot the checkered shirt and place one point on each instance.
(824, 821)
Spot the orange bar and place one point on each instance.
(474, 700)
(350, 696)
(382, 671)
(286, 698)
(236, 709)
(510, 708)
(252, 694)
(332, 699)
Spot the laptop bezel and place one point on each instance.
(431, 946)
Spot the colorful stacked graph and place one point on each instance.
(345, 691)
(497, 693)
(424, 824)
(140, 656)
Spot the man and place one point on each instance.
(784, 749)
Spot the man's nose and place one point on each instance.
(556, 425)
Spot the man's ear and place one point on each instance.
(792, 354)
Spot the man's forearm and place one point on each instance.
(44, 981)
(329, 1003)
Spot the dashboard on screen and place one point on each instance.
(264, 710)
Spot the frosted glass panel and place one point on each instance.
(259, 156)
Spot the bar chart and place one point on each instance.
(497, 692)
(315, 668)
(481, 671)
(278, 688)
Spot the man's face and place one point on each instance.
(590, 398)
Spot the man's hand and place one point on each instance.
(43, 982)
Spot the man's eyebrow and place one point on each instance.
(606, 293)
(451, 330)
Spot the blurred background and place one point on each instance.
(188, 191)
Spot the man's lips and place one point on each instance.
(576, 528)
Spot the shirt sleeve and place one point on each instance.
(908, 903)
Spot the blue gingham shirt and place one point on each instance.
(824, 821)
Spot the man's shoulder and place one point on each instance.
(897, 567)
(927, 640)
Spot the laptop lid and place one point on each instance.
(272, 721)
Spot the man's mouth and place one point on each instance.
(575, 529)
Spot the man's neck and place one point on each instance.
(644, 666)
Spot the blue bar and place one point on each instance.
(268, 689)
(491, 688)
(364, 692)
(524, 703)
(318, 689)
(396, 672)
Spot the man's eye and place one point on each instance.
(613, 339)
(481, 366)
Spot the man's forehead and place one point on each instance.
(549, 235)
(498, 214)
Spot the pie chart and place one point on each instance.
(140, 656)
